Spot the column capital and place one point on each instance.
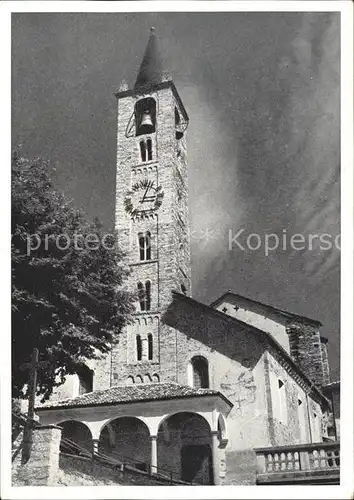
(153, 437)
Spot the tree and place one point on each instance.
(68, 282)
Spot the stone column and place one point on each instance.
(144, 349)
(215, 457)
(153, 440)
(42, 466)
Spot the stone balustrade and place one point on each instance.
(279, 463)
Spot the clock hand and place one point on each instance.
(143, 198)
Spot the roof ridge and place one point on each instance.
(283, 311)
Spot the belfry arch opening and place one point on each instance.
(145, 116)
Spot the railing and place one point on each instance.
(114, 460)
(120, 461)
(314, 457)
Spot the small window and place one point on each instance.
(85, 380)
(142, 151)
(148, 245)
(139, 350)
(150, 347)
(200, 373)
(184, 289)
(148, 295)
(144, 296)
(144, 246)
(141, 238)
(149, 149)
(141, 296)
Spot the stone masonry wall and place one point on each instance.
(235, 367)
(305, 348)
(169, 267)
(42, 467)
(289, 429)
(168, 170)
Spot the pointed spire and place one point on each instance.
(150, 72)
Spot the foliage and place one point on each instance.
(68, 295)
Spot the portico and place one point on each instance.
(159, 426)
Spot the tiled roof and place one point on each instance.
(132, 393)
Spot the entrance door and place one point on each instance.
(197, 463)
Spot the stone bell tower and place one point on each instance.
(151, 208)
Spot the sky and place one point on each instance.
(262, 94)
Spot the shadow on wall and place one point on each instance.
(221, 334)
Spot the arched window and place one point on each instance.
(148, 295)
(150, 347)
(142, 145)
(139, 350)
(85, 379)
(149, 149)
(148, 245)
(144, 246)
(141, 239)
(145, 150)
(199, 373)
(144, 295)
(141, 296)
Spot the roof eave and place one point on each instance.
(153, 88)
(145, 400)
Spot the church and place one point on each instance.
(233, 392)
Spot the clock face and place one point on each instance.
(144, 197)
